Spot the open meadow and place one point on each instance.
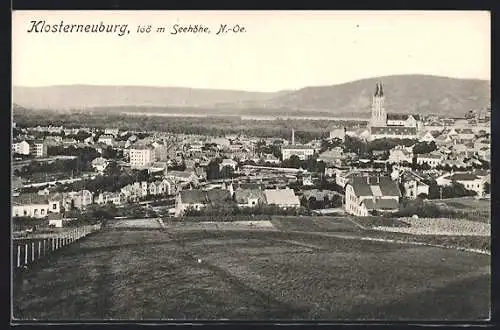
(290, 272)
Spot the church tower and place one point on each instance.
(379, 115)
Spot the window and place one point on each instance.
(35, 211)
(25, 212)
(54, 206)
(42, 211)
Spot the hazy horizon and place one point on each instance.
(239, 90)
(280, 51)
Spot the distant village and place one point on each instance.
(62, 173)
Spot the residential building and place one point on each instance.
(21, 148)
(99, 164)
(107, 139)
(284, 198)
(39, 149)
(432, 159)
(106, 197)
(183, 177)
(413, 185)
(395, 132)
(269, 158)
(338, 133)
(426, 137)
(249, 197)
(111, 131)
(400, 155)
(196, 199)
(141, 156)
(301, 151)
(365, 194)
(228, 162)
(332, 156)
(465, 134)
(34, 205)
(469, 180)
(81, 199)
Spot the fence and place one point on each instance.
(28, 250)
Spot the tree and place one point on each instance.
(112, 169)
(293, 161)
(213, 170)
(424, 147)
(486, 187)
(226, 172)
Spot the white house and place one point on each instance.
(110, 197)
(34, 205)
(197, 199)
(284, 198)
(414, 187)
(111, 131)
(432, 159)
(99, 164)
(301, 151)
(21, 148)
(107, 139)
(468, 180)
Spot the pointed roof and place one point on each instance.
(379, 91)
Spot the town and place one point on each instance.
(398, 165)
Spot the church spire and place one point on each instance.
(377, 89)
(381, 90)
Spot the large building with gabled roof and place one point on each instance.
(367, 193)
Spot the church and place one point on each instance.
(396, 126)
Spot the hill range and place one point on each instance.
(403, 94)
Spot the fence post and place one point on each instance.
(32, 251)
(18, 255)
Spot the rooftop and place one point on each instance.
(396, 130)
(364, 186)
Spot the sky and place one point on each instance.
(278, 50)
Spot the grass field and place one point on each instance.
(251, 274)
(468, 203)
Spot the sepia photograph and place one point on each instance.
(250, 166)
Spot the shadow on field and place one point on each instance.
(458, 301)
(102, 306)
(277, 309)
(79, 251)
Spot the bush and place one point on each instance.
(423, 210)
